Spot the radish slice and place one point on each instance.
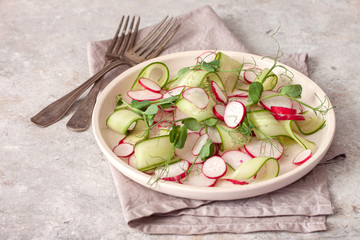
(233, 181)
(243, 100)
(142, 95)
(132, 161)
(234, 158)
(214, 135)
(196, 96)
(234, 114)
(219, 111)
(173, 92)
(197, 178)
(200, 142)
(149, 85)
(282, 110)
(214, 167)
(185, 153)
(278, 101)
(123, 149)
(264, 148)
(173, 172)
(219, 94)
(302, 157)
(207, 55)
(239, 93)
(250, 74)
(297, 106)
(296, 117)
(131, 126)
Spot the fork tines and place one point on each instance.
(126, 40)
(156, 39)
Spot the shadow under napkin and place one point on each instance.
(299, 207)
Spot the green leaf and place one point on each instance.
(210, 66)
(292, 90)
(140, 105)
(174, 134)
(207, 150)
(192, 124)
(210, 122)
(166, 105)
(255, 91)
(152, 110)
(150, 119)
(246, 127)
(182, 71)
(180, 141)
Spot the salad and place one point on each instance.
(219, 120)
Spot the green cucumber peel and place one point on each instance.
(250, 168)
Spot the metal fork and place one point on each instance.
(146, 49)
(80, 120)
(57, 109)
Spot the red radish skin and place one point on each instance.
(173, 92)
(298, 107)
(235, 112)
(207, 55)
(200, 142)
(143, 95)
(278, 101)
(173, 172)
(219, 111)
(219, 94)
(243, 100)
(197, 178)
(237, 182)
(238, 93)
(250, 74)
(295, 117)
(196, 96)
(214, 167)
(259, 148)
(123, 149)
(282, 110)
(302, 157)
(149, 85)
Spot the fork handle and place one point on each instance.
(56, 110)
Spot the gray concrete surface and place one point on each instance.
(55, 184)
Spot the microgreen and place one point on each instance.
(119, 100)
(192, 124)
(210, 66)
(255, 91)
(246, 127)
(178, 136)
(207, 150)
(292, 90)
(210, 122)
(140, 105)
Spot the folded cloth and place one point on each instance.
(299, 207)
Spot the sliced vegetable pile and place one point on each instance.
(218, 120)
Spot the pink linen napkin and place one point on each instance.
(299, 207)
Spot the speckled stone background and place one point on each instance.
(56, 184)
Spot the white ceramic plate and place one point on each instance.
(289, 173)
